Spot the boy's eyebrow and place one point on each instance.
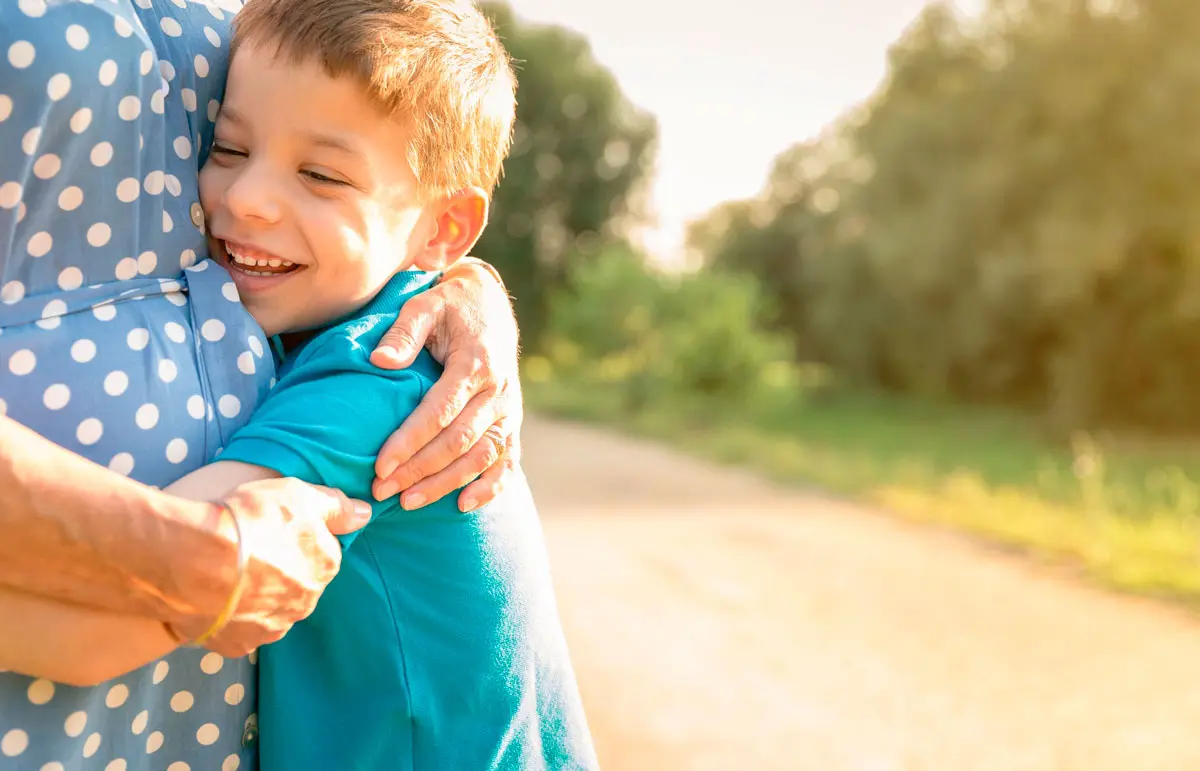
(334, 143)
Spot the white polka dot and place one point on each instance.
(75, 723)
(182, 701)
(168, 223)
(187, 258)
(21, 211)
(3, 407)
(146, 62)
(22, 362)
(175, 332)
(83, 350)
(58, 86)
(40, 691)
(116, 696)
(177, 450)
(127, 268)
(245, 363)
(145, 4)
(234, 694)
(171, 183)
(199, 267)
(213, 330)
(81, 120)
(54, 765)
(154, 182)
(77, 37)
(108, 72)
(56, 396)
(122, 463)
(208, 734)
(160, 672)
(232, 763)
(171, 27)
(29, 141)
(129, 108)
(98, 234)
(123, 27)
(32, 8)
(6, 107)
(147, 262)
(115, 383)
(167, 371)
(146, 416)
(39, 244)
(215, 11)
(91, 745)
(158, 104)
(128, 190)
(154, 742)
(14, 742)
(10, 195)
(88, 433)
(201, 65)
(212, 663)
(70, 198)
(12, 292)
(183, 147)
(212, 36)
(102, 153)
(214, 107)
(139, 723)
(229, 290)
(70, 278)
(118, 764)
(20, 54)
(138, 338)
(229, 405)
(105, 311)
(195, 406)
(47, 166)
(179, 765)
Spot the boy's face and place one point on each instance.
(311, 202)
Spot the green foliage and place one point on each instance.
(1010, 218)
(660, 336)
(580, 155)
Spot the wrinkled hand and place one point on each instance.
(288, 528)
(468, 425)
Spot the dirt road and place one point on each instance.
(718, 622)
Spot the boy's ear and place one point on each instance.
(458, 226)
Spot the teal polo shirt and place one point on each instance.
(438, 646)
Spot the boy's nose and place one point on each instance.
(253, 196)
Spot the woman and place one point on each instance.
(120, 342)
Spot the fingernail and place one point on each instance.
(387, 468)
(388, 353)
(362, 510)
(469, 504)
(386, 490)
(414, 501)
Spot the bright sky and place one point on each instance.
(732, 86)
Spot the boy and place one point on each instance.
(354, 157)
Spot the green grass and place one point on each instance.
(1125, 515)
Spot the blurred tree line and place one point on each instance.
(1012, 217)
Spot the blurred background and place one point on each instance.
(861, 349)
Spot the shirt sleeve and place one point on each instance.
(327, 418)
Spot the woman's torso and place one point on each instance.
(108, 346)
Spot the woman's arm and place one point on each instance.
(84, 646)
(468, 426)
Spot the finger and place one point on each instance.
(400, 345)
(484, 454)
(450, 444)
(341, 513)
(440, 406)
(490, 484)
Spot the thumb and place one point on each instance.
(401, 344)
(346, 514)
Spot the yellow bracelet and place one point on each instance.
(235, 597)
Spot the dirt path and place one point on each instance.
(720, 623)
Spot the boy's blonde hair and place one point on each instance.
(436, 64)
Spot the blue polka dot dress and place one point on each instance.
(119, 339)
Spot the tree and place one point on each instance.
(581, 152)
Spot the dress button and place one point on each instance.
(197, 216)
(250, 732)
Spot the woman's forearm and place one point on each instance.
(73, 531)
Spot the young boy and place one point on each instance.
(354, 157)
